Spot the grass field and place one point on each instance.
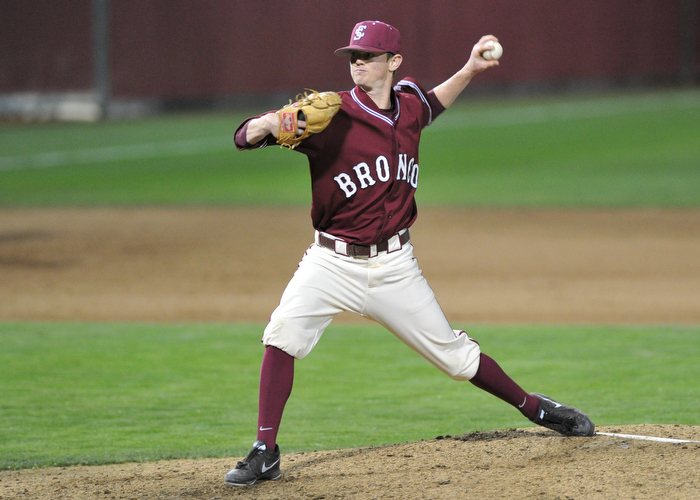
(98, 393)
(94, 393)
(625, 150)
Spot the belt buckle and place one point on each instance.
(394, 244)
(341, 247)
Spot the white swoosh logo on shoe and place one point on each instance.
(265, 468)
(556, 405)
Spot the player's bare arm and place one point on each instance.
(448, 91)
(260, 128)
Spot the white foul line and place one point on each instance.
(118, 153)
(645, 438)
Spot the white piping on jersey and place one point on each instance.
(375, 113)
(415, 87)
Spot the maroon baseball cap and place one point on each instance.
(373, 36)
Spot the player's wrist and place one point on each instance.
(261, 127)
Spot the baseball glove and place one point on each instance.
(315, 108)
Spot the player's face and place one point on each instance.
(370, 70)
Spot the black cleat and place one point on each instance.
(564, 419)
(260, 463)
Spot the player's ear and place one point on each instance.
(395, 61)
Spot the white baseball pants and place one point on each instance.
(389, 288)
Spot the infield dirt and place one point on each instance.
(486, 266)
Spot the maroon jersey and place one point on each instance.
(364, 165)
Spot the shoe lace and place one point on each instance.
(246, 461)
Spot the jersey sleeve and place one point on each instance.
(431, 105)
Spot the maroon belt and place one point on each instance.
(353, 250)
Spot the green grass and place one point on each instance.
(622, 153)
(92, 393)
(184, 160)
(615, 151)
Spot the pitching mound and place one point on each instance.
(515, 463)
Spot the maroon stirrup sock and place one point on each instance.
(276, 379)
(491, 378)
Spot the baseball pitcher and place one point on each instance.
(362, 146)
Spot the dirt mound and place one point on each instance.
(515, 463)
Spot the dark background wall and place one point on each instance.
(186, 49)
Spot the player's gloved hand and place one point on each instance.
(310, 114)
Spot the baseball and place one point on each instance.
(495, 52)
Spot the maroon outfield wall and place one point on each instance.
(182, 49)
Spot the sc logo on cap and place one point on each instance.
(360, 32)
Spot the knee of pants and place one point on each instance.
(291, 338)
(463, 363)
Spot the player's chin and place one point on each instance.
(359, 77)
